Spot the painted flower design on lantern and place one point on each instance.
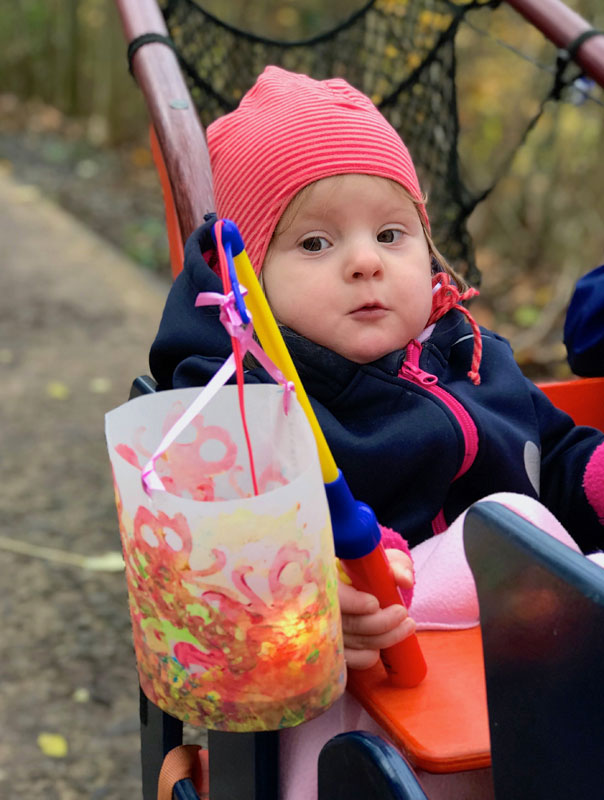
(233, 604)
(190, 465)
(233, 629)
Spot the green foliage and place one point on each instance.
(281, 20)
(541, 227)
(71, 55)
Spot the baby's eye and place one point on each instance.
(315, 243)
(389, 236)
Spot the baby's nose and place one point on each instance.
(364, 263)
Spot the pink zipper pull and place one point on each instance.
(411, 369)
(416, 375)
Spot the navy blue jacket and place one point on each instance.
(584, 325)
(417, 449)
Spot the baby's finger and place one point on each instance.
(361, 659)
(382, 621)
(402, 568)
(379, 642)
(354, 602)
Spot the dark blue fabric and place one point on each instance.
(584, 325)
(398, 446)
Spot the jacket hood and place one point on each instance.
(187, 331)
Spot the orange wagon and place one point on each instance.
(443, 725)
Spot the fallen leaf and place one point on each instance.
(53, 745)
(57, 390)
(99, 385)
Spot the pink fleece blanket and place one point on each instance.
(445, 597)
(445, 594)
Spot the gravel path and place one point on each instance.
(76, 320)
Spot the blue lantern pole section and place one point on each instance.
(357, 535)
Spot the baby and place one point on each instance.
(425, 413)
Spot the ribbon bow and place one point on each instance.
(229, 315)
(243, 335)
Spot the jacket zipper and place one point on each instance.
(411, 371)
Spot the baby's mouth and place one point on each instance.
(369, 310)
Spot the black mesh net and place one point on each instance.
(401, 54)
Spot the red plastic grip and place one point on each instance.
(404, 662)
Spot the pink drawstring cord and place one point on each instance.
(447, 296)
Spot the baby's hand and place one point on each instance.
(367, 628)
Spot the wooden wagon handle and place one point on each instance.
(180, 133)
(173, 115)
(561, 25)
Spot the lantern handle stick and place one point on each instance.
(356, 531)
(276, 349)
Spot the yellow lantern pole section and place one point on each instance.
(370, 569)
(275, 348)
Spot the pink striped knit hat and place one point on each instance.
(288, 131)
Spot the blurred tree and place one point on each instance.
(538, 230)
(543, 225)
(285, 20)
(70, 54)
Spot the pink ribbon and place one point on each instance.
(229, 316)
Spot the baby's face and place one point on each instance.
(349, 267)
